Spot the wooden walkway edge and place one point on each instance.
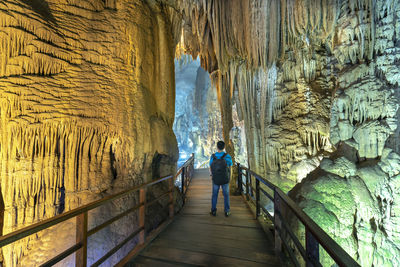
(196, 238)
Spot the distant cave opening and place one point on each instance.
(197, 124)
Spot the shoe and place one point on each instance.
(227, 213)
(213, 213)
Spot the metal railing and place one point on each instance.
(283, 204)
(81, 214)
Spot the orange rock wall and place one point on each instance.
(86, 101)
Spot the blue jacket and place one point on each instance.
(227, 158)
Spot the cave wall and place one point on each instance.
(354, 194)
(86, 103)
(263, 68)
(316, 84)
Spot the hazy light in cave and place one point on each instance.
(197, 123)
(185, 83)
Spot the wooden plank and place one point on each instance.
(171, 198)
(260, 255)
(152, 262)
(256, 245)
(203, 259)
(81, 237)
(197, 238)
(142, 213)
(217, 225)
(198, 232)
(222, 221)
(207, 201)
(220, 213)
(220, 209)
(207, 206)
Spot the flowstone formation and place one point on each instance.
(275, 78)
(86, 108)
(354, 195)
(357, 203)
(197, 124)
(316, 84)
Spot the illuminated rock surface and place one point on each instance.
(87, 104)
(314, 80)
(86, 108)
(355, 194)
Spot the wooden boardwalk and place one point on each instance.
(196, 238)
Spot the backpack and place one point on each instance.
(219, 170)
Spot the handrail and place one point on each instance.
(81, 214)
(34, 228)
(185, 172)
(315, 236)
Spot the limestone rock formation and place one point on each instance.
(197, 123)
(357, 208)
(309, 78)
(285, 115)
(86, 104)
(356, 197)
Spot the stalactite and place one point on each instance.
(81, 81)
(42, 173)
(336, 82)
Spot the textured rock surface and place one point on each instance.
(285, 108)
(90, 83)
(355, 196)
(359, 210)
(308, 78)
(197, 124)
(86, 109)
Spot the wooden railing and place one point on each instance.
(81, 215)
(185, 173)
(314, 235)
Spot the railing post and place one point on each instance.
(251, 186)
(247, 184)
(312, 249)
(192, 167)
(277, 222)
(142, 214)
(257, 197)
(171, 197)
(239, 180)
(81, 236)
(183, 184)
(187, 176)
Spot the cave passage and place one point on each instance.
(97, 96)
(197, 124)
